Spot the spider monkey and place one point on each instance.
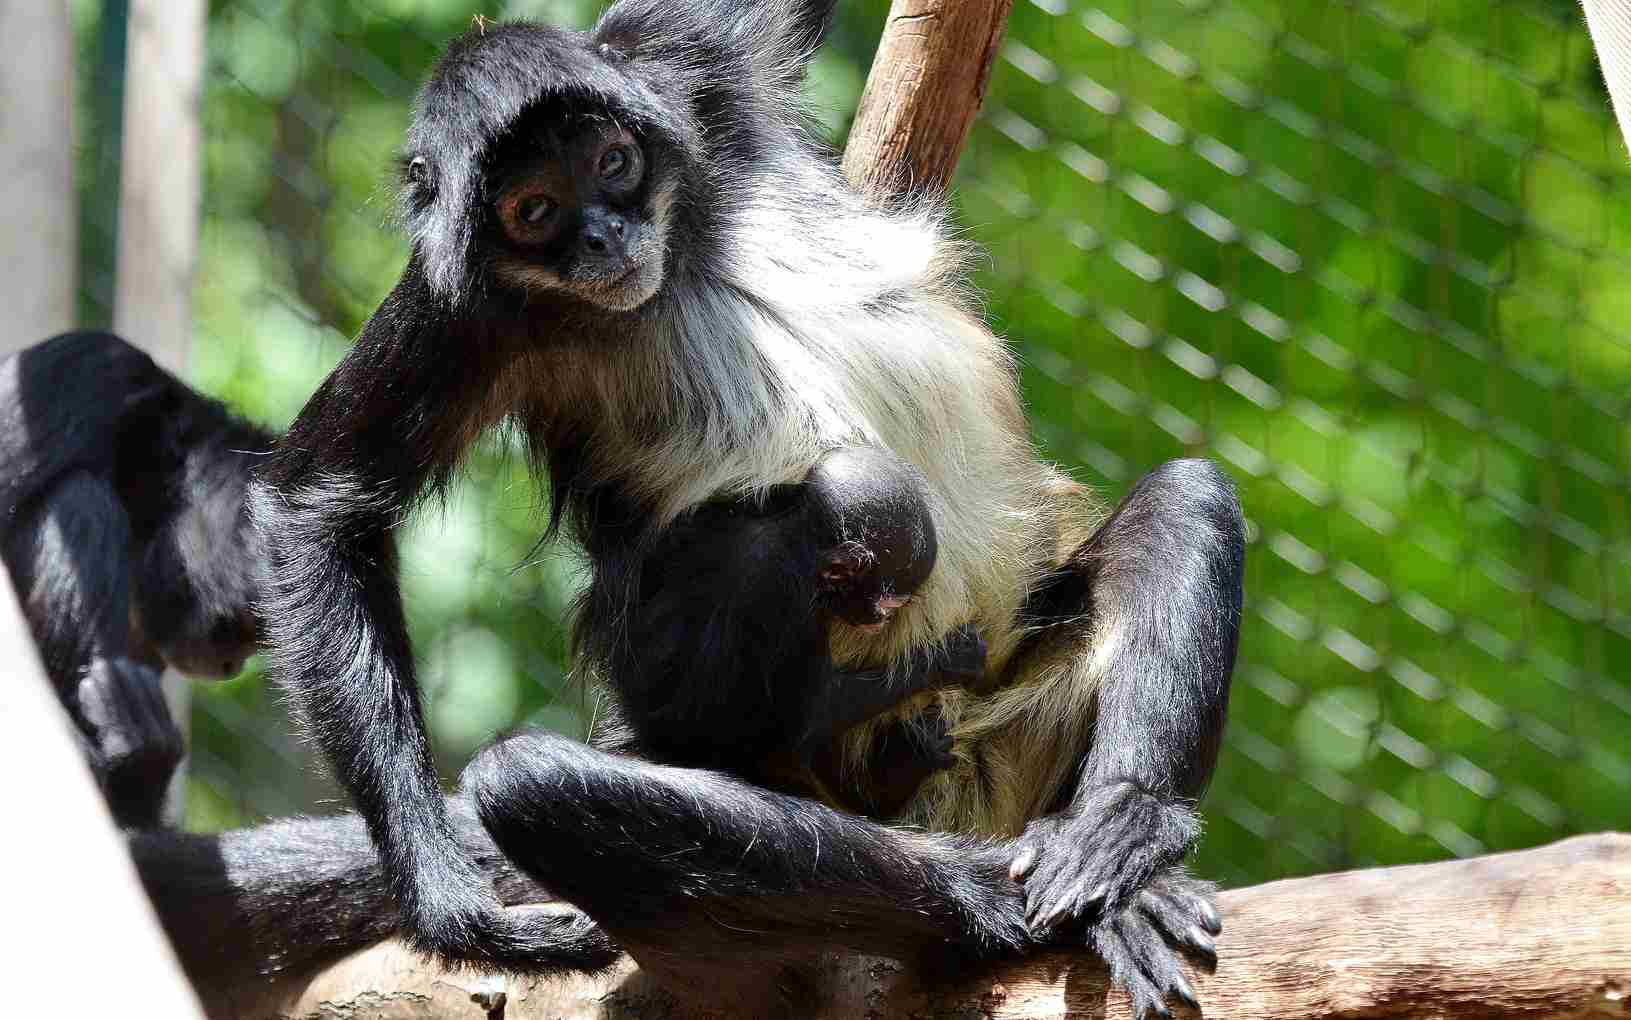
(627, 244)
(126, 536)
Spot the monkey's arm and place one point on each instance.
(386, 426)
(1163, 577)
(854, 696)
(69, 554)
(905, 751)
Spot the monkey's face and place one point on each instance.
(581, 210)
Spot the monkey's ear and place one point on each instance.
(776, 37)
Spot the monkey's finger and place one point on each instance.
(1177, 923)
(1064, 906)
(1154, 961)
(1022, 863)
(1146, 998)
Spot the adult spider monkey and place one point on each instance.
(124, 530)
(626, 243)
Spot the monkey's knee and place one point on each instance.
(524, 772)
(1194, 486)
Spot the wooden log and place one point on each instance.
(925, 87)
(1543, 933)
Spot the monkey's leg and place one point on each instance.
(1160, 588)
(70, 553)
(694, 872)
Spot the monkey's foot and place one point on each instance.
(1136, 942)
(134, 744)
(486, 936)
(1092, 861)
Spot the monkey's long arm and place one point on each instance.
(68, 551)
(386, 426)
(1162, 579)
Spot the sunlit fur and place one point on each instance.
(791, 317)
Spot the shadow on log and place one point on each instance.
(1536, 933)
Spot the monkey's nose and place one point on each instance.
(604, 235)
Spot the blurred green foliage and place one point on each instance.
(1370, 256)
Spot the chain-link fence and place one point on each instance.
(1366, 255)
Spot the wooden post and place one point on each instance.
(926, 85)
(38, 208)
(158, 213)
(159, 178)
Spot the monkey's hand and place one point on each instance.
(132, 743)
(959, 662)
(1110, 866)
(1174, 911)
(1092, 859)
(903, 755)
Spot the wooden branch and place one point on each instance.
(926, 85)
(1535, 934)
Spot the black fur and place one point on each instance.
(742, 592)
(287, 898)
(708, 90)
(125, 533)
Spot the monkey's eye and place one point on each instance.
(529, 216)
(620, 163)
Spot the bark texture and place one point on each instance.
(926, 85)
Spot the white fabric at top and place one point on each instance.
(1610, 23)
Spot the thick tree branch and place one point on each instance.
(1535, 934)
(926, 85)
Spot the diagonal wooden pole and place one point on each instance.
(926, 86)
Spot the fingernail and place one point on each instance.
(1021, 865)
(1210, 918)
(1185, 993)
(1098, 894)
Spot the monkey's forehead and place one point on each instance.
(495, 74)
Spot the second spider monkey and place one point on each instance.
(122, 522)
(743, 592)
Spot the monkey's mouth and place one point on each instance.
(883, 610)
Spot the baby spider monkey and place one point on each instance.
(713, 669)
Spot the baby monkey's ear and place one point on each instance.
(776, 37)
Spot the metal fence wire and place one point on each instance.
(1370, 256)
